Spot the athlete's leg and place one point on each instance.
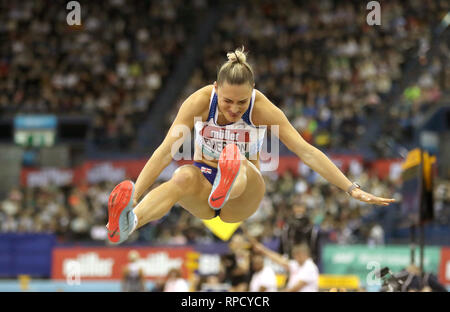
(231, 178)
(240, 208)
(187, 184)
(240, 184)
(197, 204)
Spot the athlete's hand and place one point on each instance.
(369, 198)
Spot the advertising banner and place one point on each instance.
(25, 253)
(35, 122)
(387, 168)
(344, 162)
(109, 263)
(444, 269)
(118, 170)
(363, 261)
(46, 176)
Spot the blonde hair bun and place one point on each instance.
(236, 70)
(238, 56)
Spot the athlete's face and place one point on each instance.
(233, 100)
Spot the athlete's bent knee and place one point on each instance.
(185, 178)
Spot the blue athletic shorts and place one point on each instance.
(209, 173)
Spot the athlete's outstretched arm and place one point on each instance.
(193, 106)
(268, 114)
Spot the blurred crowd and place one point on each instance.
(319, 61)
(110, 67)
(327, 69)
(249, 266)
(419, 96)
(72, 213)
(304, 207)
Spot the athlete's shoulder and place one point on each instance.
(199, 99)
(263, 109)
(207, 89)
(202, 96)
(197, 104)
(262, 103)
(261, 99)
(205, 92)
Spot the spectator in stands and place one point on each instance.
(263, 277)
(133, 276)
(343, 69)
(328, 74)
(415, 281)
(158, 285)
(112, 74)
(55, 208)
(209, 283)
(236, 264)
(303, 272)
(376, 235)
(175, 282)
(299, 229)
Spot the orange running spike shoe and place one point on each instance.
(120, 214)
(227, 171)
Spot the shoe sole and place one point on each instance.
(227, 171)
(119, 199)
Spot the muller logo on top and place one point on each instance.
(211, 139)
(235, 135)
(215, 138)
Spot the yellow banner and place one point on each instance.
(281, 280)
(428, 162)
(327, 281)
(412, 159)
(222, 230)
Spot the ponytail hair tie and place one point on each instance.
(237, 58)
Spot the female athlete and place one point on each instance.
(232, 117)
